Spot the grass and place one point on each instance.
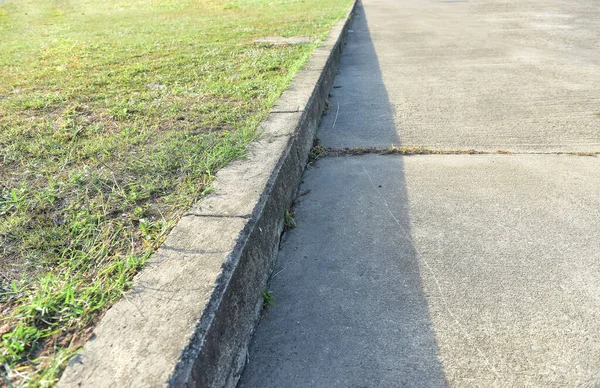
(288, 219)
(114, 118)
(268, 298)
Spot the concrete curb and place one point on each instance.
(192, 310)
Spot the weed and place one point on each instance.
(317, 151)
(289, 221)
(268, 298)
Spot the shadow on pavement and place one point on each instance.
(350, 308)
(360, 112)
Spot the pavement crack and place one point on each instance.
(297, 110)
(280, 135)
(408, 151)
(245, 217)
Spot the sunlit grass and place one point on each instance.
(114, 117)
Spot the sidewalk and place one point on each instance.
(437, 270)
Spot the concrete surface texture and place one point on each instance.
(448, 270)
(516, 74)
(437, 270)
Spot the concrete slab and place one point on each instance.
(520, 75)
(437, 270)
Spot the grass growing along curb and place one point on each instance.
(268, 298)
(114, 117)
(288, 220)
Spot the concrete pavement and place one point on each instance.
(448, 270)
(522, 75)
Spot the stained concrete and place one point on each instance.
(448, 270)
(520, 75)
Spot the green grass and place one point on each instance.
(114, 118)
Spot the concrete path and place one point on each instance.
(448, 270)
(487, 74)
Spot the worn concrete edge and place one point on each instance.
(213, 354)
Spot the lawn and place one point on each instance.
(114, 117)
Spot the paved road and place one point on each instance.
(449, 270)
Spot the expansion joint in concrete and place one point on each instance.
(287, 111)
(408, 151)
(245, 217)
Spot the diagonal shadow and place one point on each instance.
(350, 307)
